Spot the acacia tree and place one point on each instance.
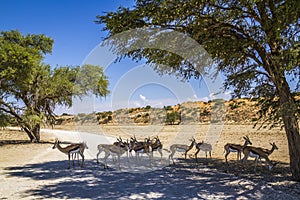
(254, 43)
(30, 90)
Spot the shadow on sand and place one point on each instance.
(185, 180)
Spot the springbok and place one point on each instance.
(180, 148)
(204, 147)
(113, 150)
(120, 143)
(141, 147)
(73, 156)
(70, 150)
(229, 147)
(157, 146)
(269, 152)
(258, 153)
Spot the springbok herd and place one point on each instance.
(148, 146)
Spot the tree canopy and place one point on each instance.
(254, 43)
(241, 36)
(31, 90)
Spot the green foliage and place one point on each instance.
(30, 90)
(233, 105)
(168, 108)
(4, 119)
(204, 113)
(66, 114)
(234, 34)
(173, 117)
(76, 119)
(104, 117)
(91, 79)
(109, 118)
(271, 111)
(131, 110)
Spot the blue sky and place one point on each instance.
(71, 24)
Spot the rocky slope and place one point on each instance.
(241, 111)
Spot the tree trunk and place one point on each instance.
(288, 113)
(29, 133)
(36, 132)
(292, 133)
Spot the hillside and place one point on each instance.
(239, 111)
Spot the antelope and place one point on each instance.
(229, 147)
(70, 150)
(157, 146)
(77, 154)
(258, 153)
(269, 152)
(180, 148)
(141, 147)
(133, 140)
(113, 150)
(120, 143)
(204, 147)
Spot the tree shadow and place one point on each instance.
(16, 142)
(185, 180)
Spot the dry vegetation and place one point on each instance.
(240, 111)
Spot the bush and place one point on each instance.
(168, 108)
(4, 120)
(233, 106)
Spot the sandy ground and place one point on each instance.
(36, 171)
